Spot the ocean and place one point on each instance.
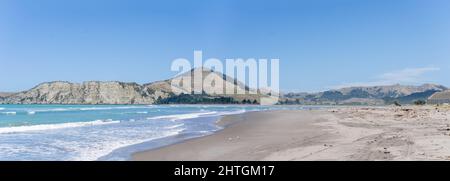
(105, 132)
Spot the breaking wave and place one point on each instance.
(9, 113)
(43, 127)
(183, 116)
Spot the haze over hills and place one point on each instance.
(440, 97)
(113, 92)
(375, 95)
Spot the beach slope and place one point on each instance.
(350, 133)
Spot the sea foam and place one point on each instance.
(183, 116)
(43, 127)
(10, 113)
(108, 108)
(91, 140)
(174, 126)
(233, 112)
(83, 109)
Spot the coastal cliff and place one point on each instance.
(93, 92)
(113, 92)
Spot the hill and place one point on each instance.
(113, 92)
(161, 92)
(440, 98)
(375, 95)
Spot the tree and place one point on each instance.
(420, 102)
(159, 100)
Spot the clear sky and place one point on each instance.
(321, 44)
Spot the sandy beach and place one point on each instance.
(341, 133)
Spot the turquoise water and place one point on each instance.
(87, 132)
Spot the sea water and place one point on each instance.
(104, 132)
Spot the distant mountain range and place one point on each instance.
(113, 92)
(440, 98)
(375, 95)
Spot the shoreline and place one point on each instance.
(227, 135)
(350, 133)
(301, 133)
(126, 153)
(222, 122)
(187, 123)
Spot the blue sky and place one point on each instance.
(321, 44)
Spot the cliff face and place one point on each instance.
(96, 92)
(87, 93)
